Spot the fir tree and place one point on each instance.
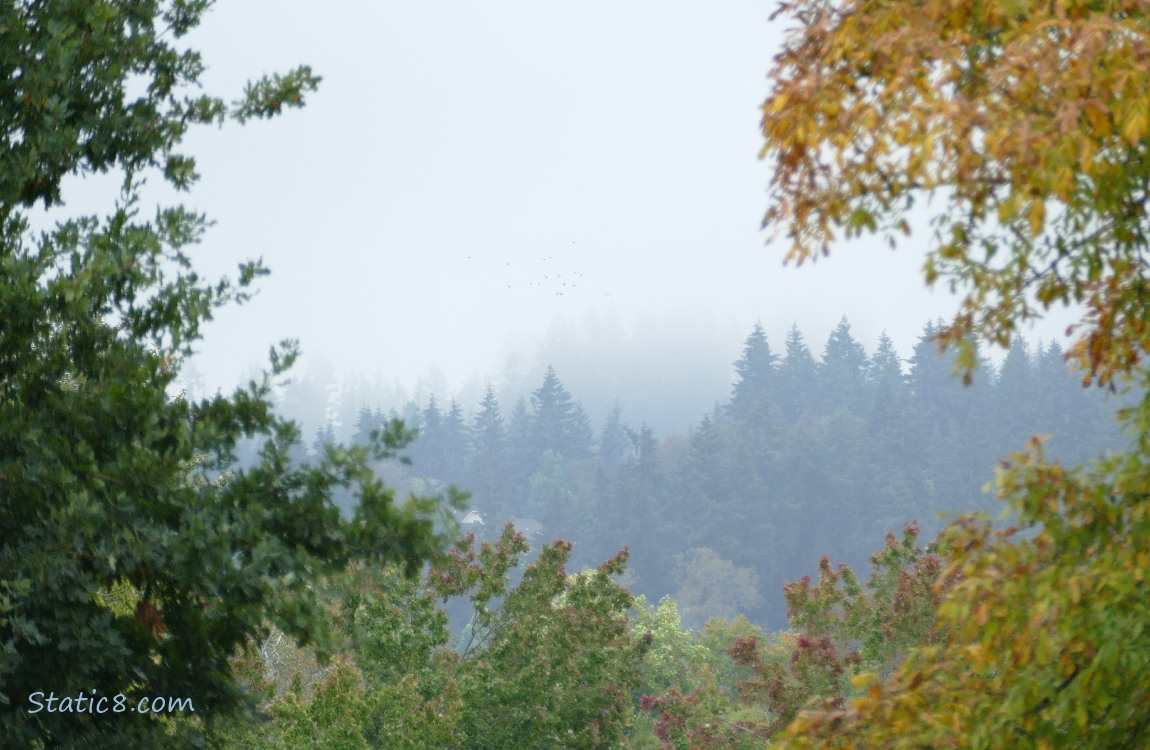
(560, 424)
(522, 452)
(486, 467)
(756, 376)
(612, 439)
(885, 365)
(797, 374)
(454, 441)
(428, 454)
(842, 372)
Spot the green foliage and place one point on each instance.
(132, 561)
(674, 658)
(894, 612)
(558, 663)
(550, 662)
(344, 710)
(716, 639)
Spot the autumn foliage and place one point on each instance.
(1030, 123)
(843, 633)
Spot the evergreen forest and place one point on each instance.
(813, 452)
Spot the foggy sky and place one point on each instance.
(471, 174)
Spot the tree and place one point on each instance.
(522, 452)
(581, 442)
(554, 665)
(367, 421)
(134, 560)
(323, 436)
(561, 425)
(1077, 420)
(674, 658)
(710, 586)
(1016, 385)
(1030, 122)
(703, 486)
(441, 450)
(428, 452)
(486, 471)
(612, 439)
(840, 628)
(889, 477)
(796, 374)
(549, 663)
(842, 373)
(551, 499)
(756, 369)
(455, 440)
(885, 364)
(754, 414)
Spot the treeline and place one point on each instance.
(810, 455)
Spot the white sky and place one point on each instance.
(460, 156)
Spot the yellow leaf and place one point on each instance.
(1086, 154)
(1099, 118)
(776, 104)
(1037, 217)
(1135, 127)
(981, 655)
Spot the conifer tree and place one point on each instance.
(522, 452)
(487, 458)
(612, 439)
(560, 423)
(885, 364)
(797, 373)
(842, 372)
(366, 422)
(581, 441)
(755, 371)
(454, 440)
(889, 469)
(1077, 419)
(1015, 386)
(641, 489)
(428, 455)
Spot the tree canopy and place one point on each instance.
(1030, 121)
(134, 561)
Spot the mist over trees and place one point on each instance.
(816, 448)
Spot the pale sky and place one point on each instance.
(464, 163)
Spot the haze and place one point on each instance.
(472, 176)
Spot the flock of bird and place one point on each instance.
(554, 281)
